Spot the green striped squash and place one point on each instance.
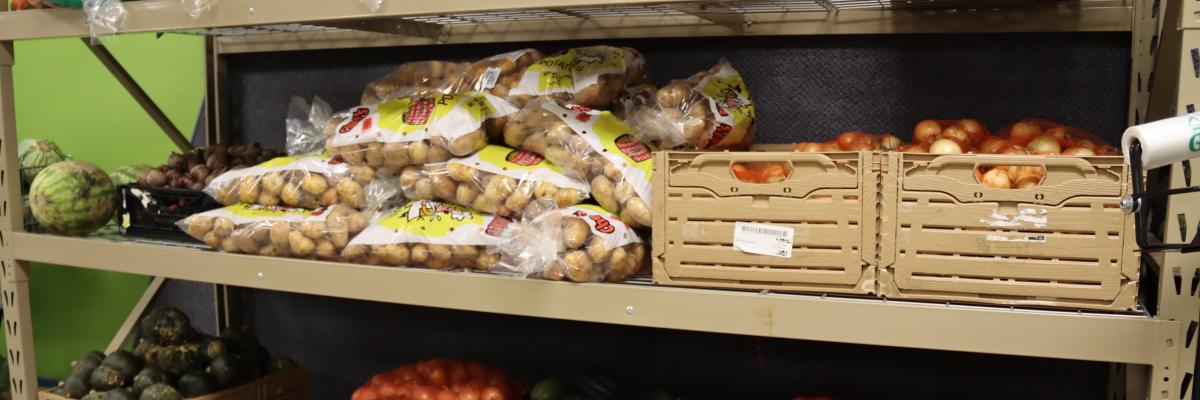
(72, 198)
(36, 154)
(127, 174)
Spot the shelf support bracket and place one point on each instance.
(717, 14)
(131, 322)
(114, 67)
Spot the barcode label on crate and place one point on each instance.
(1035, 238)
(489, 78)
(767, 240)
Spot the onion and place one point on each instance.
(1084, 143)
(847, 139)
(975, 130)
(1107, 150)
(1079, 152)
(945, 146)
(808, 147)
(1063, 134)
(1014, 149)
(827, 147)
(992, 145)
(1044, 145)
(1029, 177)
(889, 142)
(997, 178)
(957, 132)
(1023, 131)
(911, 148)
(926, 131)
(864, 143)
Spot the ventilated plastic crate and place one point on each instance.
(1065, 243)
(828, 199)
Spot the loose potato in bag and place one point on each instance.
(581, 243)
(591, 145)
(415, 78)
(429, 234)
(277, 231)
(709, 110)
(416, 130)
(304, 181)
(589, 76)
(496, 180)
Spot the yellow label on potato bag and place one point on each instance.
(571, 70)
(730, 103)
(431, 218)
(257, 211)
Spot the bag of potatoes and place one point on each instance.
(415, 78)
(498, 74)
(582, 243)
(710, 110)
(496, 180)
(303, 181)
(277, 231)
(591, 145)
(589, 76)
(429, 234)
(417, 130)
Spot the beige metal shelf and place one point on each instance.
(1069, 335)
(455, 21)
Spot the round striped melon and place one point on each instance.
(72, 198)
(36, 154)
(128, 174)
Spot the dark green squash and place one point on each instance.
(76, 386)
(106, 377)
(228, 371)
(150, 376)
(166, 326)
(196, 383)
(160, 391)
(124, 362)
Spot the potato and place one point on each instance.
(395, 254)
(554, 272)
(272, 183)
(418, 153)
(464, 255)
(363, 174)
(300, 245)
(325, 249)
(314, 184)
(200, 226)
(574, 232)
(395, 155)
(443, 187)
(597, 250)
(439, 154)
(228, 245)
(351, 193)
(268, 251)
(223, 227)
(602, 191)
(638, 211)
(465, 194)
(486, 261)
(212, 240)
(578, 267)
(423, 190)
(291, 194)
(673, 95)
(248, 190)
(278, 234)
(373, 155)
(244, 241)
(328, 198)
(267, 199)
(313, 229)
(468, 144)
(355, 253)
(568, 197)
(419, 254)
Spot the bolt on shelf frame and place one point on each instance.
(1153, 355)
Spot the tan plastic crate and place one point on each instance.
(291, 384)
(829, 199)
(1063, 244)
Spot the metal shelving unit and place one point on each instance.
(1156, 353)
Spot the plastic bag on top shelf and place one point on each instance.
(306, 125)
(416, 130)
(591, 145)
(588, 76)
(103, 17)
(429, 234)
(277, 231)
(710, 110)
(582, 243)
(416, 78)
(496, 180)
(194, 8)
(498, 74)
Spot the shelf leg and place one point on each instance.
(126, 331)
(14, 286)
(114, 67)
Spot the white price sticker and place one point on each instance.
(768, 240)
(488, 80)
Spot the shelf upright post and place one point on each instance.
(1172, 87)
(14, 285)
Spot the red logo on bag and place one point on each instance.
(359, 115)
(524, 158)
(418, 113)
(634, 149)
(497, 226)
(599, 223)
(582, 112)
(719, 134)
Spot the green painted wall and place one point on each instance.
(64, 94)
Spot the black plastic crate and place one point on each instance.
(153, 212)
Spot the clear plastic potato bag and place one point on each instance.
(429, 234)
(591, 145)
(414, 78)
(710, 110)
(496, 180)
(589, 76)
(498, 74)
(304, 181)
(417, 130)
(277, 231)
(582, 243)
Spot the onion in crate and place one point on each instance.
(1079, 152)
(946, 145)
(926, 131)
(1044, 145)
(997, 178)
(1024, 131)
